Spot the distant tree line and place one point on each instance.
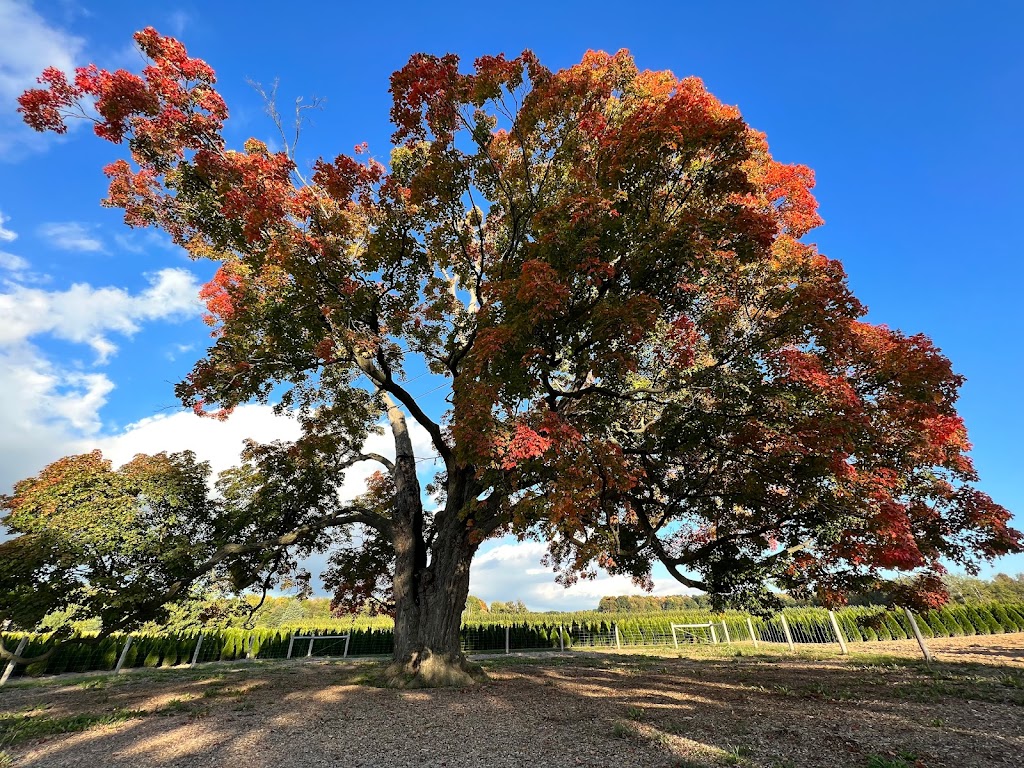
(1001, 589)
(214, 608)
(651, 603)
(476, 606)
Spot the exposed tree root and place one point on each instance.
(424, 669)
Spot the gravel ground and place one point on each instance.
(710, 707)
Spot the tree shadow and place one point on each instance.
(650, 711)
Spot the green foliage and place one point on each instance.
(652, 603)
(152, 657)
(637, 235)
(94, 543)
(969, 590)
(373, 636)
(513, 607)
(15, 728)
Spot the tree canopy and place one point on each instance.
(645, 360)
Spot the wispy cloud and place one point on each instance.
(178, 21)
(511, 570)
(84, 314)
(6, 235)
(177, 350)
(71, 236)
(12, 263)
(145, 241)
(50, 408)
(30, 43)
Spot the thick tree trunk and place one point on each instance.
(429, 594)
(429, 617)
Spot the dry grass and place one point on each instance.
(881, 708)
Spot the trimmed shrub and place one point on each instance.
(1004, 619)
(151, 658)
(896, 629)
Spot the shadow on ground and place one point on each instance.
(748, 710)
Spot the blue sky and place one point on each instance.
(909, 113)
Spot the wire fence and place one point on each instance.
(807, 627)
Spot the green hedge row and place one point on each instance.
(530, 631)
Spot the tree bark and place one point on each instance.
(428, 619)
(429, 594)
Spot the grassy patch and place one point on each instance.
(901, 760)
(16, 728)
(735, 756)
(622, 730)
(372, 675)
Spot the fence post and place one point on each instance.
(11, 665)
(252, 642)
(838, 631)
(785, 628)
(750, 628)
(310, 651)
(919, 636)
(561, 638)
(714, 634)
(195, 655)
(506, 637)
(725, 629)
(345, 655)
(291, 644)
(123, 656)
(618, 641)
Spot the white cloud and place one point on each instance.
(220, 442)
(178, 21)
(47, 408)
(12, 263)
(87, 315)
(146, 241)
(176, 350)
(44, 409)
(71, 236)
(6, 235)
(512, 570)
(30, 44)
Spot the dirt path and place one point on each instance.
(776, 711)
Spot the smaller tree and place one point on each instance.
(475, 606)
(512, 606)
(100, 542)
(126, 546)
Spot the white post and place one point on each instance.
(919, 636)
(11, 664)
(838, 631)
(725, 629)
(310, 651)
(750, 628)
(123, 656)
(506, 637)
(195, 655)
(346, 645)
(561, 638)
(785, 628)
(714, 634)
(618, 641)
(675, 640)
(252, 641)
(291, 644)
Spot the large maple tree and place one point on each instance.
(646, 360)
